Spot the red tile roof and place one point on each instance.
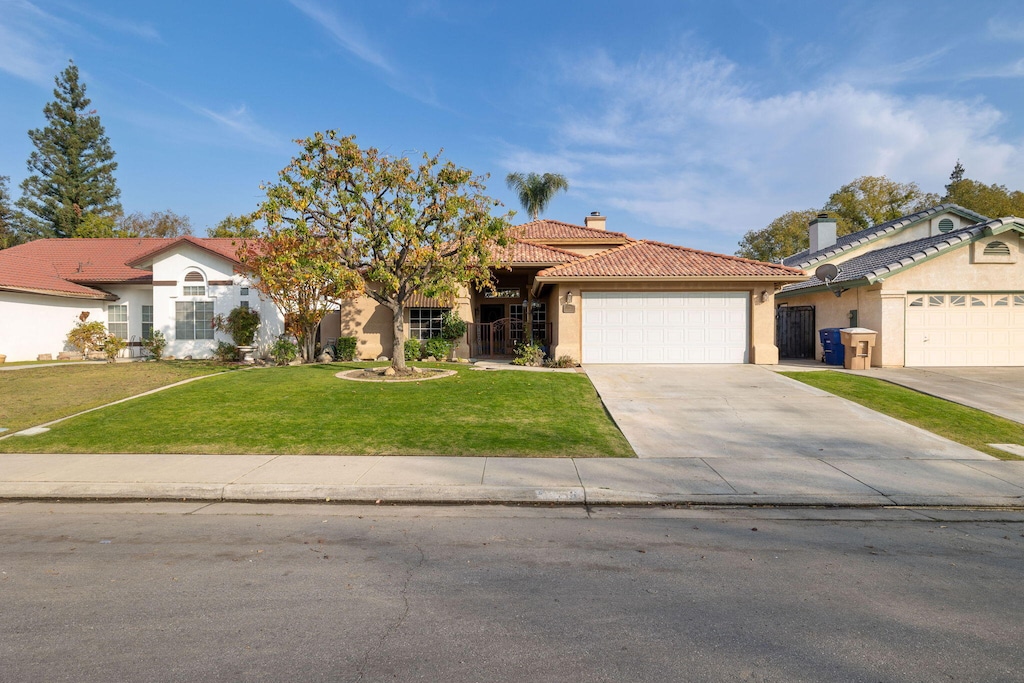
(24, 274)
(556, 230)
(646, 259)
(39, 265)
(527, 252)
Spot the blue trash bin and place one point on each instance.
(832, 345)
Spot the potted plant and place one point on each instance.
(241, 323)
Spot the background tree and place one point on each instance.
(784, 236)
(138, 224)
(994, 201)
(870, 200)
(536, 191)
(408, 229)
(954, 177)
(10, 218)
(72, 167)
(303, 273)
(156, 224)
(235, 226)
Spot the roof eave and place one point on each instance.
(98, 296)
(675, 278)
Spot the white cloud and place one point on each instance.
(28, 50)
(139, 29)
(241, 123)
(346, 32)
(682, 142)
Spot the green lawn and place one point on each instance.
(36, 395)
(968, 426)
(306, 409)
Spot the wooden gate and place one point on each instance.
(794, 331)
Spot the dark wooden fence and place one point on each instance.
(794, 331)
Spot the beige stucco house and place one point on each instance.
(600, 297)
(942, 287)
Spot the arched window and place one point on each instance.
(195, 284)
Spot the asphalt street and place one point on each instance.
(236, 592)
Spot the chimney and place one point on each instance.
(822, 231)
(595, 220)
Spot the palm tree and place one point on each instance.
(535, 190)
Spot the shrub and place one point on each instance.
(225, 352)
(412, 349)
(241, 323)
(561, 362)
(437, 347)
(155, 344)
(452, 326)
(112, 346)
(87, 337)
(346, 348)
(284, 350)
(529, 353)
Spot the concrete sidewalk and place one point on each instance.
(451, 480)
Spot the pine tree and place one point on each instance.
(955, 177)
(72, 166)
(10, 218)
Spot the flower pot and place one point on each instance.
(2, 358)
(245, 354)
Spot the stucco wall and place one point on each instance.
(173, 266)
(35, 324)
(372, 324)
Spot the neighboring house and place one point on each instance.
(942, 287)
(599, 297)
(133, 285)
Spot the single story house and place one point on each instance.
(600, 297)
(942, 287)
(134, 286)
(589, 293)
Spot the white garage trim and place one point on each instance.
(666, 327)
(947, 329)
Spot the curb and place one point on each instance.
(466, 495)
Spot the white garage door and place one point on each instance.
(665, 327)
(963, 329)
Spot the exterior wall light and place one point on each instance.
(568, 297)
(764, 296)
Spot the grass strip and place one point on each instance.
(968, 426)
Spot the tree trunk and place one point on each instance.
(398, 348)
(307, 345)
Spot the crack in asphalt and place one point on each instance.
(393, 628)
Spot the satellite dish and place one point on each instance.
(826, 272)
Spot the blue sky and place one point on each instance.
(687, 122)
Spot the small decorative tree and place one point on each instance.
(112, 346)
(241, 323)
(155, 344)
(87, 337)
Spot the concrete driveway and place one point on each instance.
(999, 391)
(748, 411)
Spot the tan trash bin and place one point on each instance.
(858, 343)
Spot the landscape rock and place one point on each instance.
(45, 356)
(430, 359)
(325, 358)
(384, 359)
(389, 372)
